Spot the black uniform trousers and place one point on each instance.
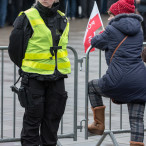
(41, 121)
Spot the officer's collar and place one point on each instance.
(50, 12)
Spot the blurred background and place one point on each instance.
(9, 9)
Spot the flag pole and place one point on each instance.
(66, 8)
(100, 50)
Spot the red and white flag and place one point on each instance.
(94, 23)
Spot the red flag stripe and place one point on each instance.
(94, 23)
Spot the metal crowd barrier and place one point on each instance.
(109, 132)
(73, 135)
(14, 139)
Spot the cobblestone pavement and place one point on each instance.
(77, 30)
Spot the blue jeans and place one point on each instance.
(71, 8)
(3, 12)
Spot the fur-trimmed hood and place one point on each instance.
(129, 24)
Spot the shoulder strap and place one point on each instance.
(118, 47)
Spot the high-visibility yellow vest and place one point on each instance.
(38, 58)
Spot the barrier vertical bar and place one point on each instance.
(75, 96)
(86, 92)
(75, 90)
(86, 87)
(62, 125)
(99, 63)
(110, 115)
(121, 117)
(2, 88)
(14, 106)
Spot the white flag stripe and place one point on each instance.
(95, 11)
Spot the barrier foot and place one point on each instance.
(58, 143)
(113, 139)
(101, 139)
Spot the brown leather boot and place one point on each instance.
(98, 126)
(133, 143)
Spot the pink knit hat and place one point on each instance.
(122, 6)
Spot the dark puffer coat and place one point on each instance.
(125, 78)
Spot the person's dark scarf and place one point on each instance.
(47, 12)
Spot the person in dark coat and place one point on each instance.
(110, 2)
(70, 8)
(3, 12)
(87, 6)
(141, 8)
(62, 6)
(27, 4)
(14, 8)
(125, 78)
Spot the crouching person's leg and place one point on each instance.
(136, 115)
(98, 126)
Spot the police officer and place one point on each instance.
(38, 47)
